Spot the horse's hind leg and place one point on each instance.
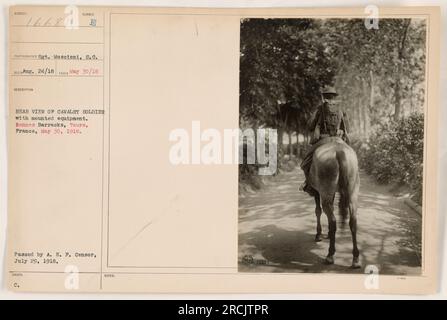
(343, 206)
(353, 226)
(328, 208)
(318, 214)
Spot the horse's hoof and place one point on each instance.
(318, 238)
(329, 260)
(356, 264)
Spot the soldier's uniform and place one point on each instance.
(329, 121)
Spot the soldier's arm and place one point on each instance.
(314, 122)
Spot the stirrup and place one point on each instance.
(303, 186)
(309, 190)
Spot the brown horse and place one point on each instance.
(335, 169)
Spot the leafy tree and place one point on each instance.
(283, 66)
(380, 72)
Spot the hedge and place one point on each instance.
(394, 153)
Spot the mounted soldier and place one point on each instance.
(329, 121)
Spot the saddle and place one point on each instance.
(305, 164)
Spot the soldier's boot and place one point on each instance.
(305, 187)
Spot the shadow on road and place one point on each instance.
(277, 230)
(286, 251)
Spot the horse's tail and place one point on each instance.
(345, 186)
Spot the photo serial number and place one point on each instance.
(226, 309)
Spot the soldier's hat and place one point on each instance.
(329, 90)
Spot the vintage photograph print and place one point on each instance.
(347, 100)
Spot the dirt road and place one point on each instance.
(277, 230)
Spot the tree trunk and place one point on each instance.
(400, 57)
(397, 94)
(359, 111)
(361, 115)
(365, 103)
(298, 144)
(290, 144)
(370, 105)
(280, 142)
(371, 89)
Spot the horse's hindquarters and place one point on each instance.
(335, 168)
